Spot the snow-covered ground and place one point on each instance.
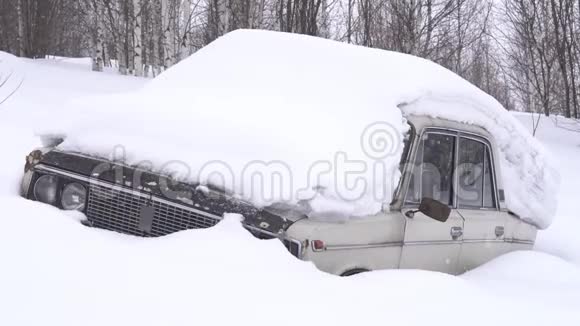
(561, 137)
(54, 271)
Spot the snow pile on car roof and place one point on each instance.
(321, 118)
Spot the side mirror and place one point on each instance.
(432, 208)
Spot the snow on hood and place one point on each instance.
(320, 117)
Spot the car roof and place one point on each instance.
(421, 122)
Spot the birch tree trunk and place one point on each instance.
(173, 30)
(156, 59)
(324, 20)
(167, 41)
(184, 37)
(119, 17)
(137, 38)
(224, 17)
(258, 16)
(459, 49)
(350, 6)
(98, 51)
(106, 57)
(20, 18)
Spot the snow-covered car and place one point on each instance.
(461, 181)
(427, 226)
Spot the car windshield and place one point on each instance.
(407, 141)
(291, 212)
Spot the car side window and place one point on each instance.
(432, 176)
(474, 176)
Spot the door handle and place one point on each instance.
(456, 232)
(499, 231)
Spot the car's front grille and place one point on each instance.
(132, 212)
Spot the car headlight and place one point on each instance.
(74, 197)
(45, 189)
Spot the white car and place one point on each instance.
(428, 225)
(468, 186)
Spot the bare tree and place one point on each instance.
(167, 12)
(558, 10)
(529, 61)
(20, 18)
(531, 53)
(137, 37)
(99, 36)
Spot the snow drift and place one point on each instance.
(303, 107)
(11, 76)
(68, 274)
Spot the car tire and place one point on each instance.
(355, 271)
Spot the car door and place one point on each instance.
(477, 202)
(430, 244)
(520, 235)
